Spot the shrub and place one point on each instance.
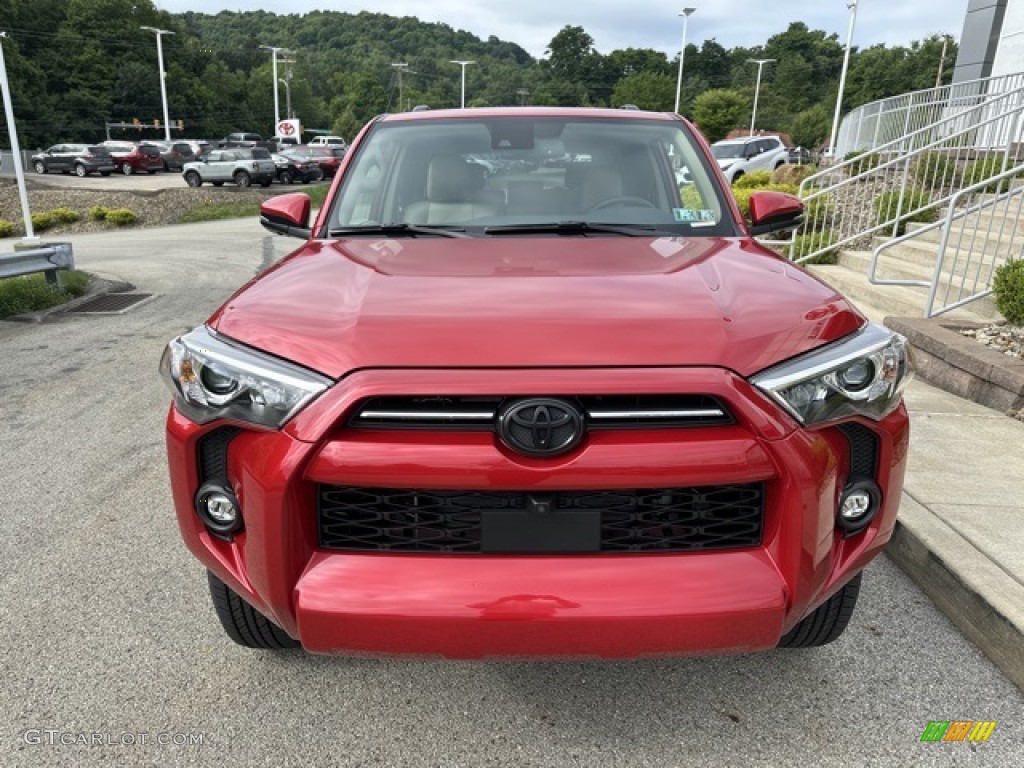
(985, 168)
(934, 170)
(1008, 287)
(98, 213)
(42, 221)
(887, 205)
(121, 216)
(31, 293)
(753, 180)
(813, 241)
(793, 174)
(819, 212)
(6, 228)
(867, 161)
(65, 216)
(691, 197)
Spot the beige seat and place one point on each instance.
(600, 183)
(454, 194)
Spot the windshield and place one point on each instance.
(496, 174)
(725, 151)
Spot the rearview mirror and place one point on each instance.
(287, 215)
(774, 212)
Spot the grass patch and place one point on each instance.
(318, 193)
(217, 211)
(31, 293)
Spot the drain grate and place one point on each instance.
(112, 303)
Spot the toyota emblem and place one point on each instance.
(540, 426)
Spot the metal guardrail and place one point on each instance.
(47, 259)
(989, 235)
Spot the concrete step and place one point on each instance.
(895, 300)
(1002, 233)
(925, 254)
(898, 269)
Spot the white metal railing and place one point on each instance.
(907, 179)
(988, 234)
(872, 125)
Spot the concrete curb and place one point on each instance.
(961, 366)
(979, 597)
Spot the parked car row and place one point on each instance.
(245, 166)
(125, 156)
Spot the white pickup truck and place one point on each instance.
(323, 141)
(241, 167)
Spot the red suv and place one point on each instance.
(495, 407)
(135, 158)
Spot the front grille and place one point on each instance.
(213, 454)
(649, 520)
(863, 442)
(479, 413)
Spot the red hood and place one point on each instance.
(535, 302)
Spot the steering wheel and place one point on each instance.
(628, 200)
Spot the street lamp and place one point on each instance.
(463, 64)
(757, 90)
(685, 13)
(287, 97)
(163, 75)
(12, 133)
(852, 6)
(277, 104)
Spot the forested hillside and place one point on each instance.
(75, 64)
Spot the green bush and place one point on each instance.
(793, 174)
(867, 161)
(121, 216)
(887, 205)
(819, 212)
(753, 180)
(65, 216)
(813, 241)
(6, 228)
(1008, 286)
(98, 213)
(42, 221)
(934, 170)
(691, 197)
(32, 293)
(985, 168)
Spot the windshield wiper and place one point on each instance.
(399, 229)
(575, 228)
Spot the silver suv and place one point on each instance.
(238, 166)
(737, 157)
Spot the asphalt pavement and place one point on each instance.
(113, 654)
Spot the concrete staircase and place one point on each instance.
(976, 243)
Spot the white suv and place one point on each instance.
(755, 153)
(323, 141)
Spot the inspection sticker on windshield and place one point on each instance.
(693, 215)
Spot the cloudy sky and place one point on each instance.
(644, 24)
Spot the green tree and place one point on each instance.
(648, 90)
(811, 127)
(718, 111)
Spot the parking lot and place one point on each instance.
(113, 653)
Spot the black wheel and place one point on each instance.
(217, 183)
(150, 172)
(126, 169)
(167, 168)
(266, 183)
(737, 177)
(828, 621)
(243, 623)
(305, 179)
(193, 179)
(779, 164)
(285, 177)
(242, 179)
(80, 171)
(40, 166)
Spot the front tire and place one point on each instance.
(126, 169)
(285, 177)
(827, 622)
(242, 179)
(40, 166)
(80, 171)
(243, 623)
(193, 179)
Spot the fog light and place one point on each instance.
(859, 504)
(218, 508)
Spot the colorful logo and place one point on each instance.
(958, 730)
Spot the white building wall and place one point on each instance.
(1009, 57)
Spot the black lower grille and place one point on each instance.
(213, 453)
(649, 520)
(863, 451)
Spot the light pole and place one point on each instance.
(463, 64)
(19, 172)
(400, 67)
(163, 75)
(685, 13)
(287, 97)
(852, 6)
(757, 90)
(522, 93)
(277, 103)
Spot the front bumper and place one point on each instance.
(478, 605)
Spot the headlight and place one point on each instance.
(213, 378)
(861, 375)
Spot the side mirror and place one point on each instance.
(774, 212)
(287, 215)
